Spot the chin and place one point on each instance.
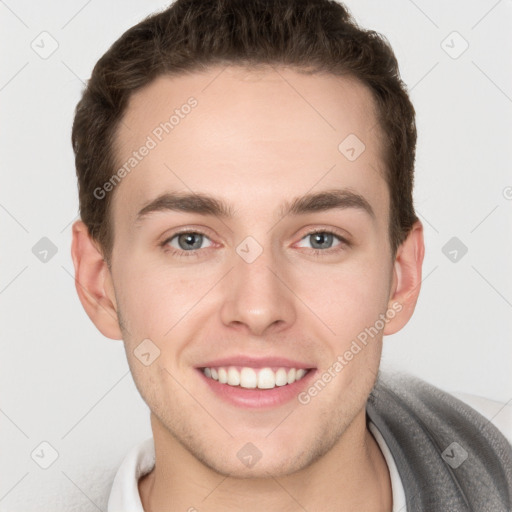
(244, 460)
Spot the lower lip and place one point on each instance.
(258, 398)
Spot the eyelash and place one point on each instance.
(344, 243)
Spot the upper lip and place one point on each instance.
(255, 362)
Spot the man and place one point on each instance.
(247, 228)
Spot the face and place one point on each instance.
(275, 279)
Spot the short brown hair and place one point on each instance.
(191, 35)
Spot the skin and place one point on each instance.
(256, 139)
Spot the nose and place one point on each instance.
(258, 297)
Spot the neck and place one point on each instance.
(353, 475)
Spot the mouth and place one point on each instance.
(255, 378)
(256, 383)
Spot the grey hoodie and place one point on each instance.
(449, 457)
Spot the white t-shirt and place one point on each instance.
(140, 460)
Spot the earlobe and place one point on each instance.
(406, 279)
(93, 282)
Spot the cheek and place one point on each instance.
(151, 301)
(165, 305)
(348, 298)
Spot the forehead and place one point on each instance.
(253, 136)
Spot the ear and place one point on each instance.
(93, 282)
(406, 282)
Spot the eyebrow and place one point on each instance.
(208, 205)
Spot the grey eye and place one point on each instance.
(321, 240)
(188, 241)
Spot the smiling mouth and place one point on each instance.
(254, 378)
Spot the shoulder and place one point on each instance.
(441, 409)
(450, 449)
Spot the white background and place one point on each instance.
(64, 383)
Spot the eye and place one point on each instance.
(323, 240)
(186, 242)
(189, 243)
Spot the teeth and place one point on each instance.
(233, 376)
(248, 378)
(281, 377)
(223, 375)
(300, 373)
(266, 379)
(251, 378)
